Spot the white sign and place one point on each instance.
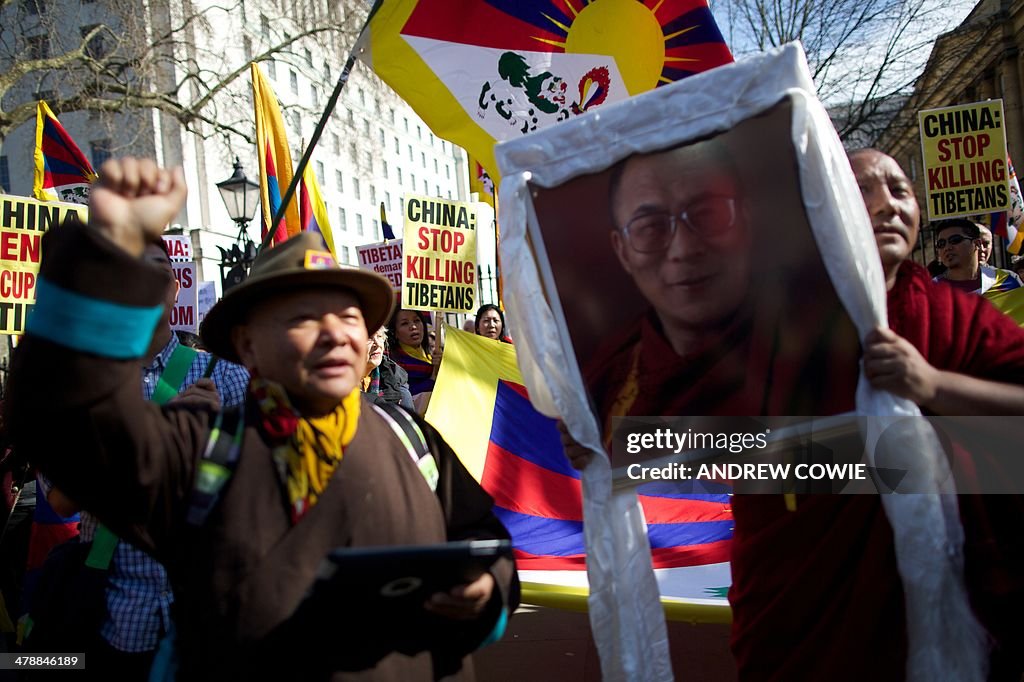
(184, 314)
(384, 258)
(206, 296)
(179, 247)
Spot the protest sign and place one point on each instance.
(384, 258)
(206, 296)
(964, 153)
(22, 224)
(184, 314)
(179, 247)
(439, 255)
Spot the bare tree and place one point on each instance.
(864, 55)
(116, 56)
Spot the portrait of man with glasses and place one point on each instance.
(690, 282)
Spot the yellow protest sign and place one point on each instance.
(964, 152)
(439, 255)
(22, 224)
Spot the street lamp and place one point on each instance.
(241, 196)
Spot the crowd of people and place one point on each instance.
(208, 500)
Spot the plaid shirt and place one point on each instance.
(138, 592)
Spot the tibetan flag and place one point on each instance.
(1007, 224)
(481, 407)
(275, 159)
(480, 72)
(62, 171)
(312, 211)
(385, 226)
(480, 182)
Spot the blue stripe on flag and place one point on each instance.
(526, 433)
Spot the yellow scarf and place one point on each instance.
(312, 447)
(415, 352)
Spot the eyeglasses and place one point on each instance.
(709, 218)
(952, 241)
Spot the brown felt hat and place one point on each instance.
(302, 262)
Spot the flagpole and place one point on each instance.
(357, 49)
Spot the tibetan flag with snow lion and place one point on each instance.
(483, 71)
(62, 173)
(481, 408)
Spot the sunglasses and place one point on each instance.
(952, 241)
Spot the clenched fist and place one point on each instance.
(134, 200)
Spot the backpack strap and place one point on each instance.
(216, 466)
(412, 437)
(101, 553)
(174, 374)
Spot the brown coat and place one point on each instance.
(239, 577)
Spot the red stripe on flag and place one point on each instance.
(691, 555)
(531, 562)
(675, 510)
(521, 486)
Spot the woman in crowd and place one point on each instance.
(385, 381)
(410, 349)
(490, 322)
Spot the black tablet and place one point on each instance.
(402, 574)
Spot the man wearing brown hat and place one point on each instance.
(242, 509)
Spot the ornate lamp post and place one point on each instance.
(241, 197)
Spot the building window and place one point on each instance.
(373, 194)
(384, 166)
(392, 115)
(431, 140)
(397, 148)
(355, 187)
(272, 68)
(399, 171)
(264, 26)
(342, 219)
(346, 255)
(368, 158)
(38, 46)
(376, 229)
(401, 205)
(309, 57)
(314, 95)
(293, 79)
(405, 122)
(437, 190)
(380, 136)
(447, 171)
(436, 170)
(352, 153)
(419, 132)
(296, 121)
(320, 173)
(336, 143)
(5, 174)
(425, 190)
(340, 180)
(412, 181)
(351, 118)
(359, 225)
(362, 96)
(101, 151)
(410, 152)
(387, 199)
(423, 159)
(366, 127)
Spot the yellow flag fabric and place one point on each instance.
(275, 159)
(313, 211)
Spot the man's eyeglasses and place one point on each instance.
(708, 218)
(952, 241)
